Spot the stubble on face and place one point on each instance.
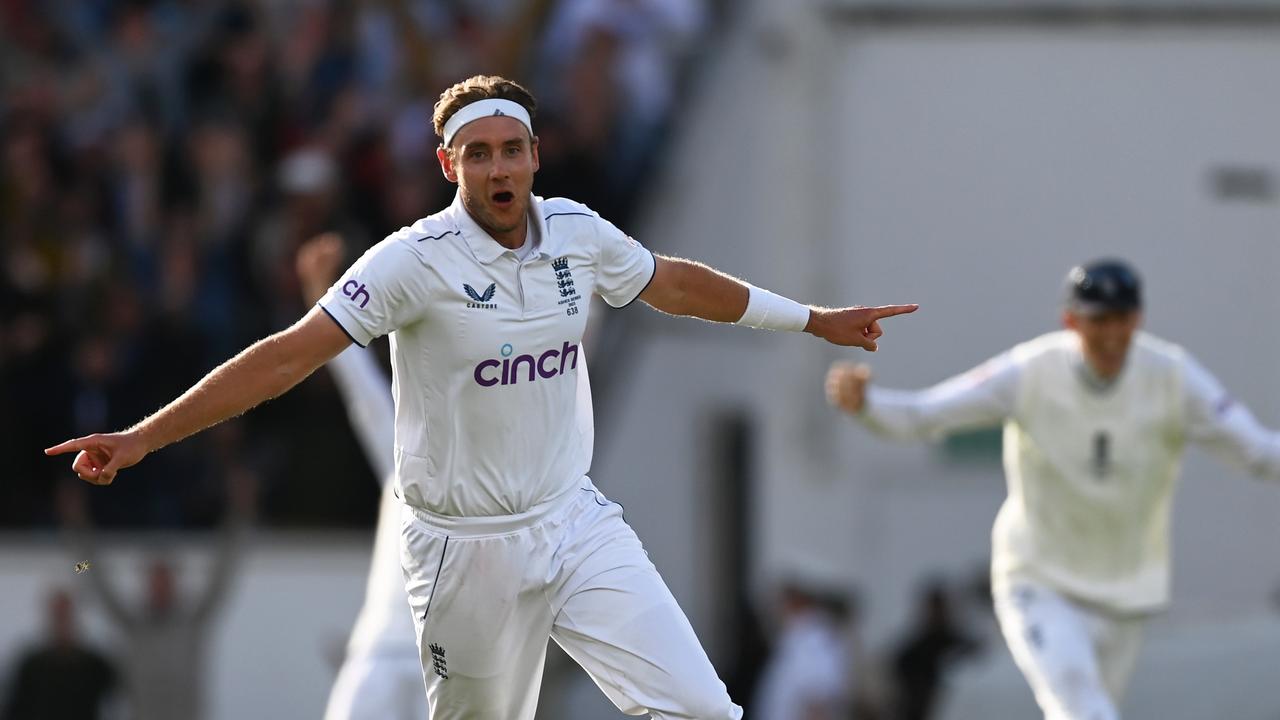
(494, 160)
(494, 221)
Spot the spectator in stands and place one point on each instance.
(61, 678)
(809, 675)
(165, 641)
(927, 653)
(149, 175)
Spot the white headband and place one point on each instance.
(485, 108)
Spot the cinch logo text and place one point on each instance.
(526, 368)
(356, 291)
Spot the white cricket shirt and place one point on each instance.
(493, 406)
(1091, 471)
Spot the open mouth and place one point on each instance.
(505, 197)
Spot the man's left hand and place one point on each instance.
(855, 326)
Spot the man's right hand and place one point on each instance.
(99, 457)
(317, 263)
(847, 386)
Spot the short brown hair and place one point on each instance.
(479, 87)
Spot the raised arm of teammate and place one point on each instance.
(365, 389)
(980, 397)
(685, 287)
(242, 490)
(264, 370)
(80, 532)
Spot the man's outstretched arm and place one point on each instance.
(264, 370)
(1226, 427)
(684, 287)
(981, 397)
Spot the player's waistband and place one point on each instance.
(456, 526)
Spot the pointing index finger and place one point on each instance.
(68, 446)
(884, 311)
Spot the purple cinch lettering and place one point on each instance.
(551, 354)
(354, 290)
(515, 367)
(480, 368)
(509, 369)
(564, 356)
(356, 297)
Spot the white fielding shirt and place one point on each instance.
(1091, 470)
(492, 401)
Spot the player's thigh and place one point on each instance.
(351, 692)
(619, 621)
(1119, 643)
(1051, 642)
(482, 621)
(378, 689)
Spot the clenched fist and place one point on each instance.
(847, 386)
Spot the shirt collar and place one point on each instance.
(482, 244)
(1089, 377)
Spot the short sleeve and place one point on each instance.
(624, 266)
(383, 291)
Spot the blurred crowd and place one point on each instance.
(814, 663)
(818, 665)
(161, 161)
(156, 668)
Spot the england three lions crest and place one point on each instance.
(564, 284)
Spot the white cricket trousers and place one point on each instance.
(486, 594)
(1076, 657)
(378, 687)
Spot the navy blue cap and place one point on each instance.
(1103, 286)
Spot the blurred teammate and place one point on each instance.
(380, 678)
(1095, 420)
(506, 541)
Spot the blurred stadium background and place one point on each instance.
(162, 160)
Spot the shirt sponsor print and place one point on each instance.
(508, 370)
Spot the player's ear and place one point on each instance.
(533, 151)
(446, 164)
(1069, 320)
